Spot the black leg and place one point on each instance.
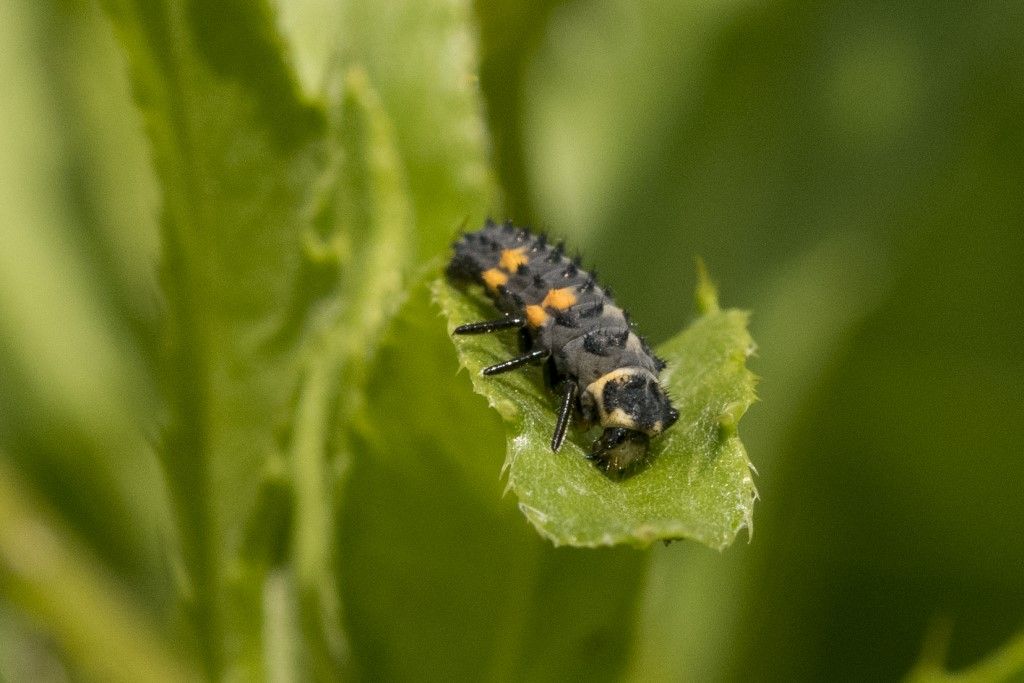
(491, 325)
(525, 340)
(552, 378)
(513, 363)
(564, 413)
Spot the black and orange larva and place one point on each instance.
(603, 371)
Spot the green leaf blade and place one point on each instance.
(697, 484)
(428, 84)
(238, 153)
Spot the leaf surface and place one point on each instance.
(240, 157)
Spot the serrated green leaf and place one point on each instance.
(239, 156)
(698, 483)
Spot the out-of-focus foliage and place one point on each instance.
(850, 172)
(1005, 664)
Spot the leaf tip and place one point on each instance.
(729, 418)
(707, 293)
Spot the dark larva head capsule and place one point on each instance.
(633, 398)
(632, 406)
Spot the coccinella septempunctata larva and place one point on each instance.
(604, 372)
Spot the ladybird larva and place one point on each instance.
(604, 372)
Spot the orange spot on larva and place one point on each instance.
(494, 278)
(511, 259)
(535, 315)
(559, 299)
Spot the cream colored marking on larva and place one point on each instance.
(494, 278)
(618, 417)
(559, 299)
(536, 316)
(597, 386)
(511, 259)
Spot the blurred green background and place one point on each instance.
(851, 172)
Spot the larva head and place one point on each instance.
(632, 407)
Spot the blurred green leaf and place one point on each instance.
(239, 156)
(50, 576)
(73, 399)
(510, 31)
(587, 150)
(1005, 664)
(365, 226)
(421, 55)
(698, 483)
(287, 230)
